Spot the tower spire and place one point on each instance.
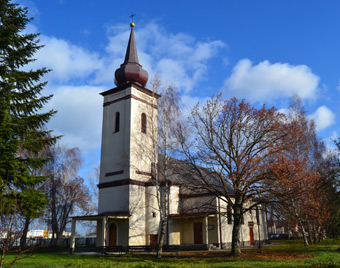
(131, 70)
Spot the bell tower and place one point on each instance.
(128, 147)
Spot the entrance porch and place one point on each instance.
(194, 230)
(112, 230)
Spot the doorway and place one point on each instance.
(153, 241)
(198, 233)
(251, 234)
(113, 235)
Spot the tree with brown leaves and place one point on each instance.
(229, 143)
(296, 188)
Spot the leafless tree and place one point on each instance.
(65, 189)
(163, 145)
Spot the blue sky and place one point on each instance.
(263, 51)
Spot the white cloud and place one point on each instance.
(67, 61)
(323, 117)
(79, 116)
(284, 111)
(267, 82)
(178, 58)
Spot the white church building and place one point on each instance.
(127, 206)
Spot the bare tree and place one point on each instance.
(226, 145)
(65, 189)
(163, 145)
(168, 114)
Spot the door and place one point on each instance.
(198, 233)
(153, 241)
(113, 235)
(251, 233)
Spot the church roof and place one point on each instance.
(194, 179)
(131, 70)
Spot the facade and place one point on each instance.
(128, 213)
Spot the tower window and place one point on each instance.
(143, 120)
(117, 122)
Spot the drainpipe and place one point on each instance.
(220, 223)
(167, 192)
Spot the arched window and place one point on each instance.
(143, 120)
(117, 122)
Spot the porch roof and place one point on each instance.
(115, 215)
(192, 214)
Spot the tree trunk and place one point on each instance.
(303, 233)
(24, 233)
(321, 234)
(315, 234)
(310, 234)
(3, 252)
(235, 243)
(161, 238)
(6, 243)
(59, 236)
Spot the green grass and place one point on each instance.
(289, 254)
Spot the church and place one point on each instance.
(127, 206)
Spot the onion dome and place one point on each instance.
(131, 70)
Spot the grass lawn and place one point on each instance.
(289, 254)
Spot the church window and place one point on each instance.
(143, 126)
(229, 215)
(117, 122)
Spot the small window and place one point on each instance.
(229, 215)
(143, 120)
(117, 122)
(154, 214)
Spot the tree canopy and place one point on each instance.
(22, 123)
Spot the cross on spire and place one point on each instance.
(131, 16)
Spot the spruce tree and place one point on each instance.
(22, 123)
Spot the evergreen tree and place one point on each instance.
(22, 134)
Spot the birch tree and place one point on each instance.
(160, 133)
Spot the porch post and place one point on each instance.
(205, 231)
(73, 234)
(218, 226)
(104, 231)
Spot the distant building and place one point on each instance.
(38, 234)
(283, 227)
